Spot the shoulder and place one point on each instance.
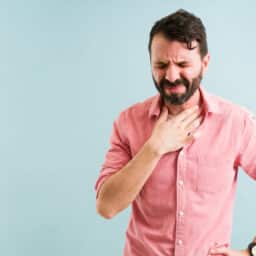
(237, 117)
(138, 109)
(232, 109)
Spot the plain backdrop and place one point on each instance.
(67, 70)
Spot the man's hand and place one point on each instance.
(223, 250)
(171, 134)
(228, 252)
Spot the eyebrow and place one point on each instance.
(161, 62)
(182, 62)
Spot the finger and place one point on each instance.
(189, 139)
(193, 125)
(189, 120)
(220, 250)
(192, 136)
(186, 113)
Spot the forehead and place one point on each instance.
(162, 48)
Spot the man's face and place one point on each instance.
(176, 70)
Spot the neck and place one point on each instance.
(193, 101)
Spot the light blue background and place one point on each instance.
(67, 69)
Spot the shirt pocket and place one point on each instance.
(214, 174)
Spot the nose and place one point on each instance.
(172, 73)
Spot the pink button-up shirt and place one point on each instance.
(185, 207)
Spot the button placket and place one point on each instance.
(180, 231)
(181, 213)
(179, 242)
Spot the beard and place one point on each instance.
(178, 98)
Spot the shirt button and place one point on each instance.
(180, 242)
(180, 182)
(181, 213)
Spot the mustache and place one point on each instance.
(165, 82)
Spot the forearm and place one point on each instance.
(119, 190)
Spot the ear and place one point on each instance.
(205, 62)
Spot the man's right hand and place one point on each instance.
(171, 134)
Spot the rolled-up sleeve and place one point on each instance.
(118, 154)
(247, 152)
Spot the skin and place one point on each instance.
(172, 60)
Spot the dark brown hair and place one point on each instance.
(181, 26)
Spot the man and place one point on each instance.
(175, 156)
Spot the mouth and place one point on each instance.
(175, 89)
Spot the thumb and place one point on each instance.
(189, 139)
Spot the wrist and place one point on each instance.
(153, 149)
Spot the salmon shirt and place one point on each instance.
(186, 205)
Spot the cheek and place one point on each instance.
(195, 71)
(190, 74)
(158, 74)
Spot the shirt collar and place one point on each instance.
(209, 102)
(155, 106)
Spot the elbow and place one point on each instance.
(103, 211)
(104, 214)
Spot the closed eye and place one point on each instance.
(182, 64)
(161, 65)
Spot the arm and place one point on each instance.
(246, 160)
(119, 190)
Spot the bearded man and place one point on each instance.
(175, 156)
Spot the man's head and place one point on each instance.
(179, 56)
